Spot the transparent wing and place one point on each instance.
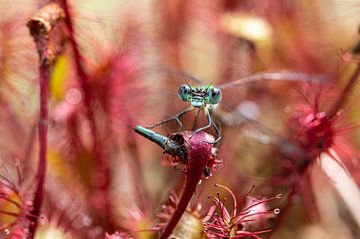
(254, 130)
(274, 76)
(152, 96)
(183, 76)
(260, 149)
(247, 105)
(267, 94)
(254, 115)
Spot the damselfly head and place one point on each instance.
(200, 96)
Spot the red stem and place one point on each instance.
(199, 152)
(41, 171)
(101, 166)
(83, 77)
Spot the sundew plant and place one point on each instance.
(182, 119)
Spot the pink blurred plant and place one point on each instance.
(92, 173)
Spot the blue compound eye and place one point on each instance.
(185, 93)
(214, 95)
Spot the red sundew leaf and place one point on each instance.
(15, 204)
(315, 123)
(317, 130)
(225, 224)
(118, 87)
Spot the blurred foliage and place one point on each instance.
(123, 45)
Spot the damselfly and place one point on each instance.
(206, 97)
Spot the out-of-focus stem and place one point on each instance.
(83, 77)
(101, 166)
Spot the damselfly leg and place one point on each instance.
(173, 118)
(210, 123)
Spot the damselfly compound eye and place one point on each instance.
(185, 93)
(214, 95)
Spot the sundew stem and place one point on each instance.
(199, 153)
(82, 76)
(101, 164)
(196, 151)
(43, 127)
(40, 26)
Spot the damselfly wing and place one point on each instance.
(233, 103)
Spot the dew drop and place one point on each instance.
(265, 139)
(73, 96)
(276, 211)
(249, 109)
(7, 231)
(86, 221)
